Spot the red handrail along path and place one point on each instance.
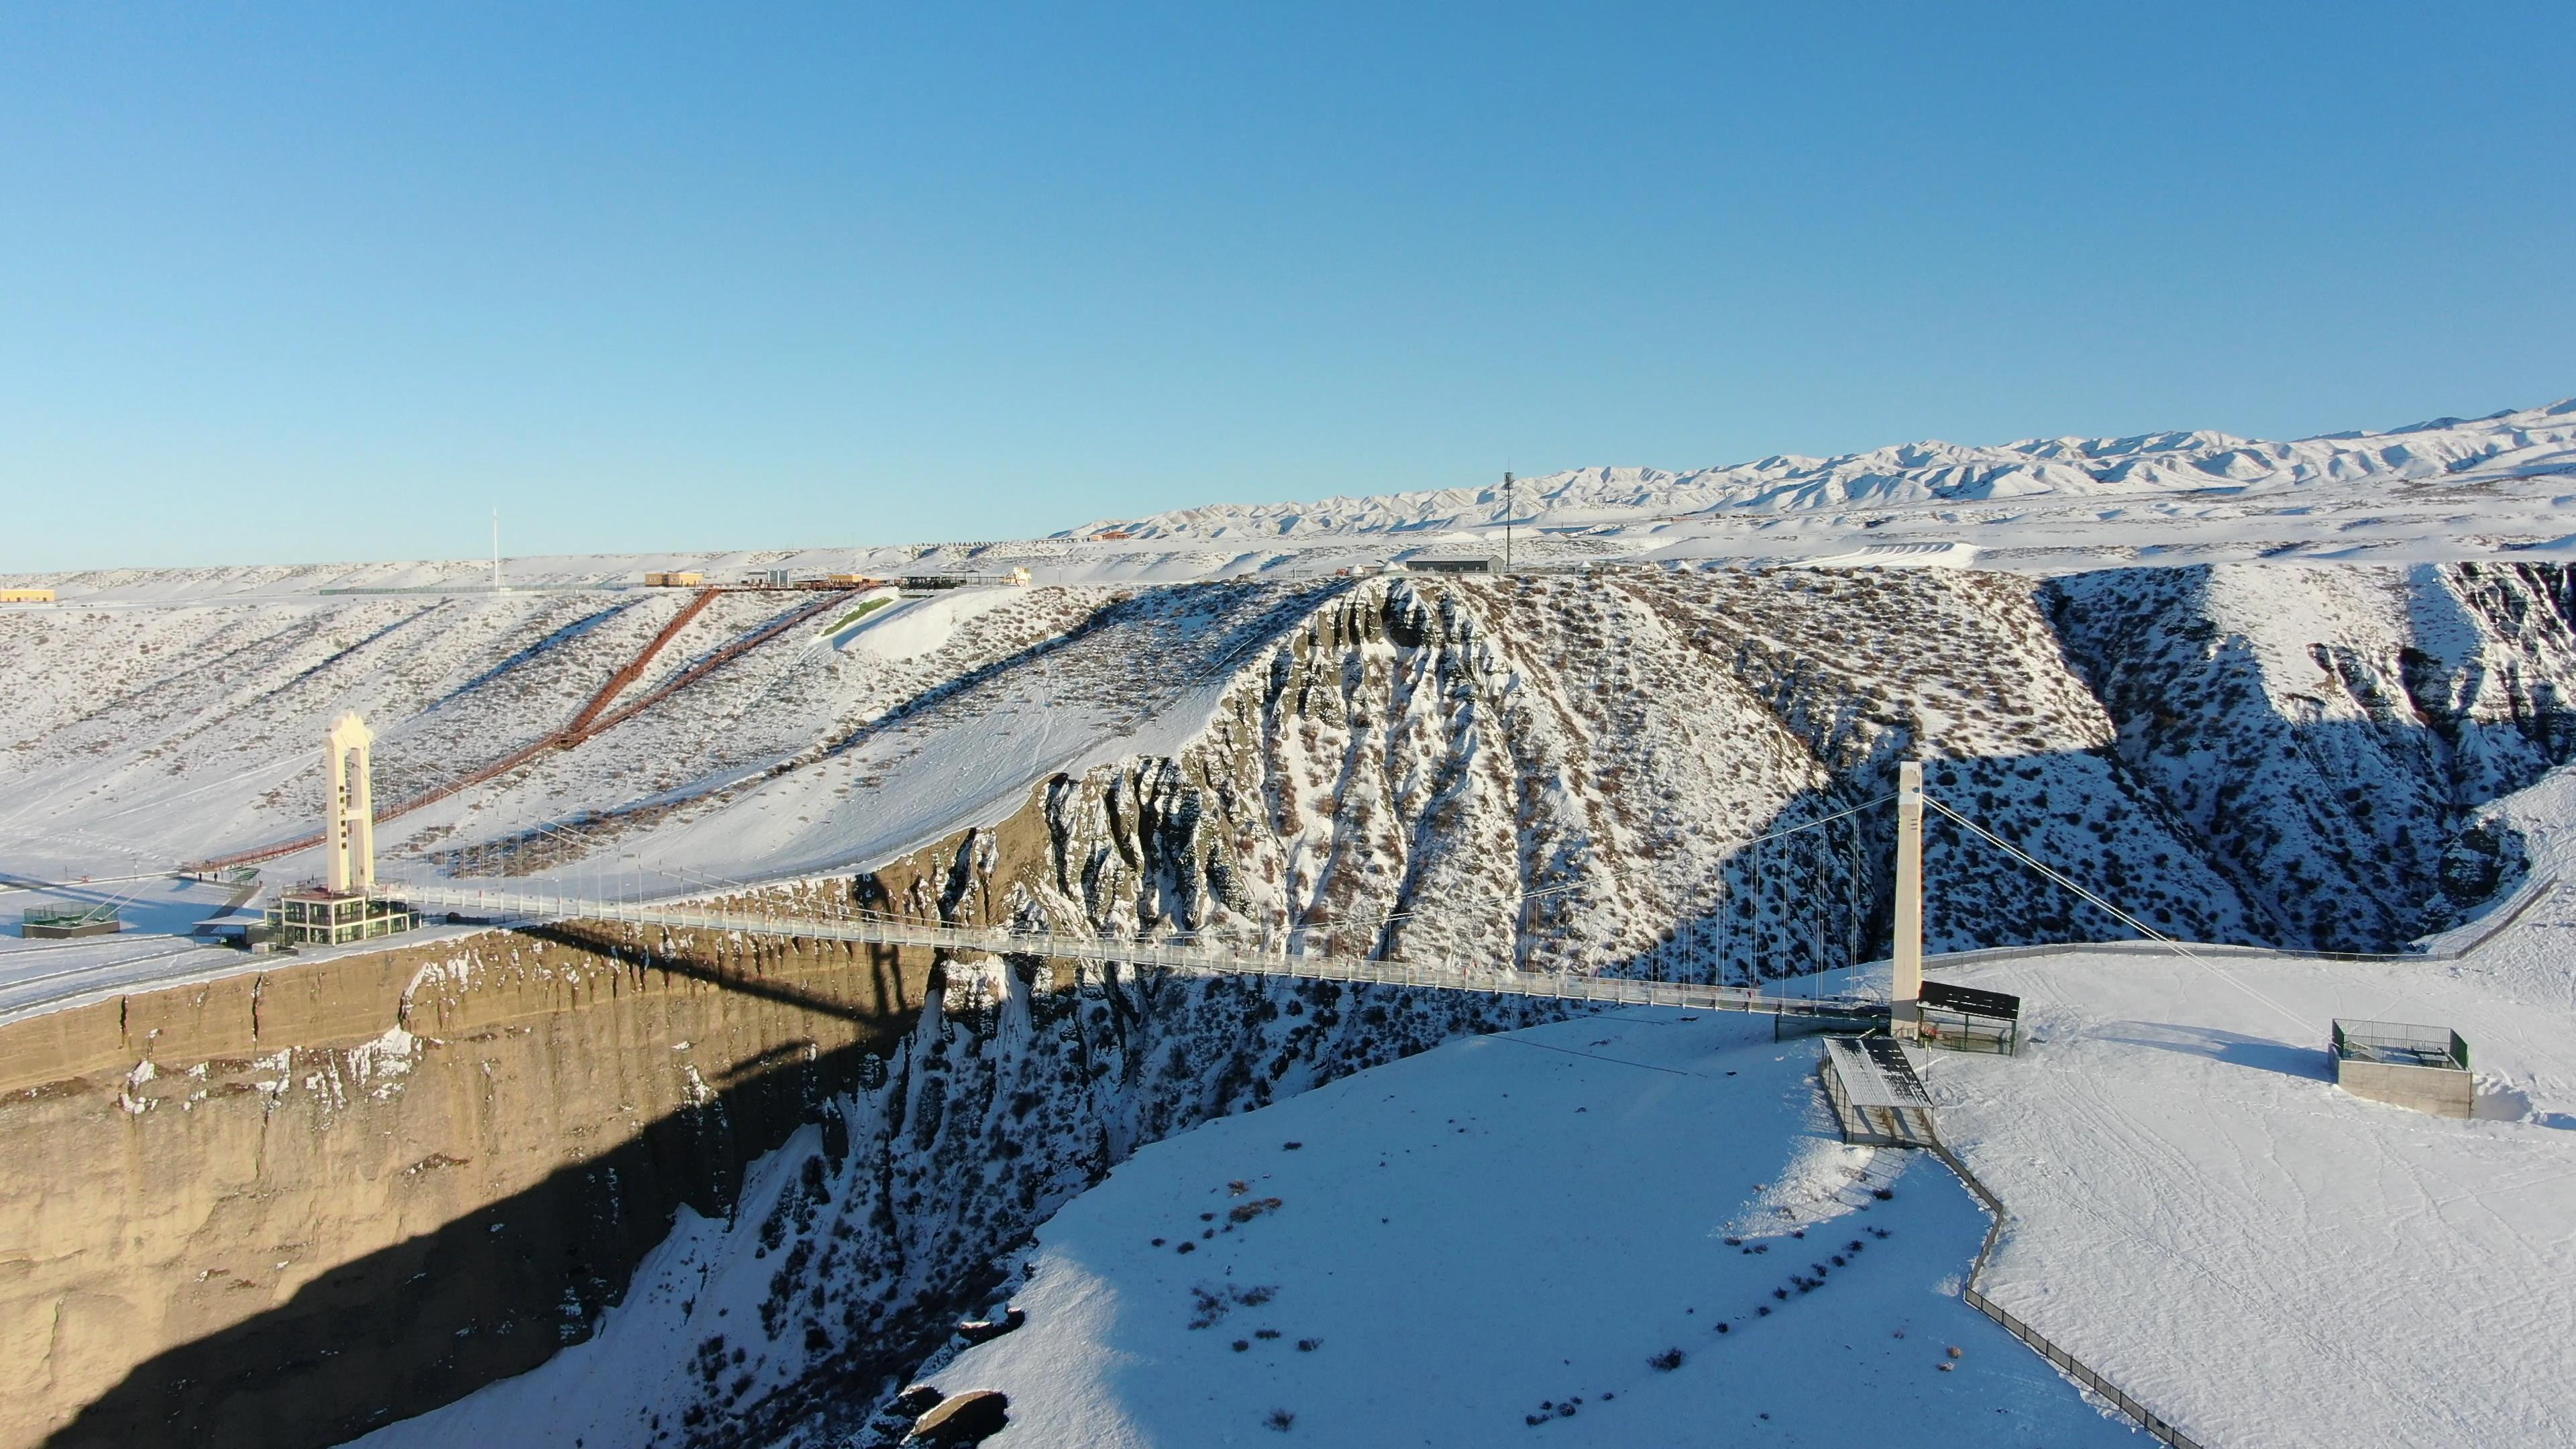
(593, 719)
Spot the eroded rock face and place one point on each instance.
(2325, 737)
(280, 1207)
(1648, 772)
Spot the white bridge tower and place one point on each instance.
(349, 824)
(1907, 989)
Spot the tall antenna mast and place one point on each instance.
(496, 550)
(1511, 505)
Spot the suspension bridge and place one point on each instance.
(1895, 1011)
(1169, 955)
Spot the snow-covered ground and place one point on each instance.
(156, 904)
(2206, 1219)
(2250, 751)
(1439, 1251)
(158, 911)
(1488, 1232)
(2197, 1212)
(157, 948)
(1511, 1226)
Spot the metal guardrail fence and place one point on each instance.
(2073, 1367)
(72, 915)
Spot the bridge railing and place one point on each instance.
(1164, 954)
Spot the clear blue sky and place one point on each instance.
(707, 276)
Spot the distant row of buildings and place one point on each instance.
(783, 579)
(1449, 564)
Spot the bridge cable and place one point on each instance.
(2123, 917)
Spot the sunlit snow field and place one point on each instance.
(1510, 1227)
(2204, 1217)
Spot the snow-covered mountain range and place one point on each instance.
(2509, 445)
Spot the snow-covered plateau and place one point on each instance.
(2311, 705)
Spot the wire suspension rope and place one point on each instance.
(2123, 917)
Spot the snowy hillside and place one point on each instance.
(1499, 1238)
(2203, 1216)
(1579, 772)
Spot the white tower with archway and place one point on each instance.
(345, 907)
(349, 827)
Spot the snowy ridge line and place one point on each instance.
(2148, 468)
(1445, 975)
(2066, 1363)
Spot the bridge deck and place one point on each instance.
(1168, 955)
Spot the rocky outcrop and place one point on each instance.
(1657, 774)
(2326, 737)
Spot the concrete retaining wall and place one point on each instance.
(2441, 1091)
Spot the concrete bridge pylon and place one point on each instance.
(1906, 991)
(349, 824)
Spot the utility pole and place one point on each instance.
(1511, 505)
(496, 550)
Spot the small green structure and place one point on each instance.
(62, 923)
(320, 916)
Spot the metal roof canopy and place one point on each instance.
(1875, 1073)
